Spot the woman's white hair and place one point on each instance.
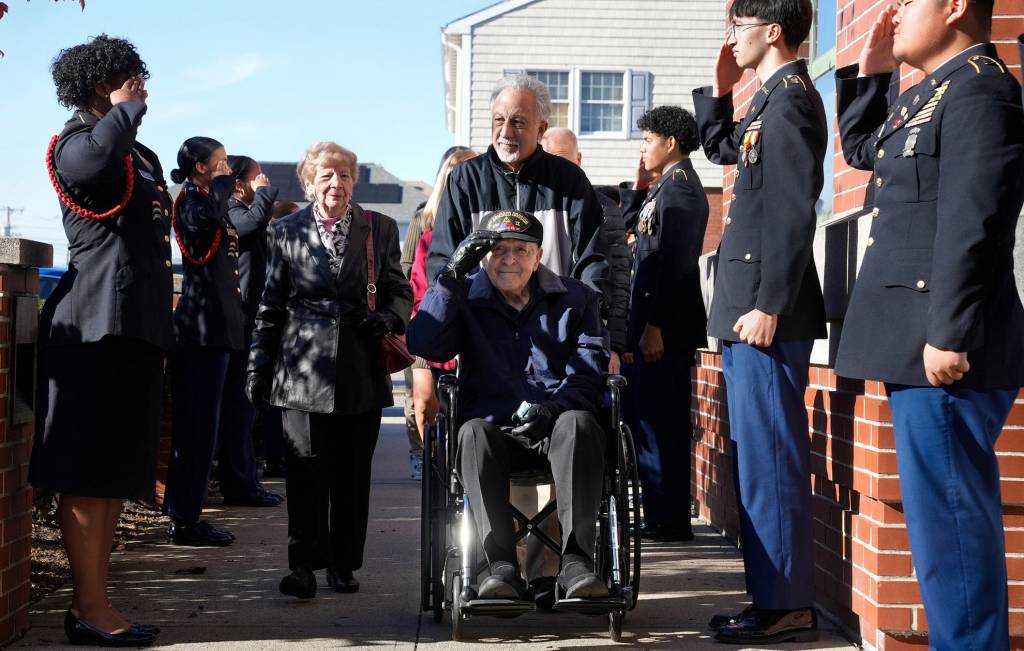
(541, 94)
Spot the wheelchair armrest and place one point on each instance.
(448, 381)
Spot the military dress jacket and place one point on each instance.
(250, 223)
(665, 288)
(948, 159)
(306, 340)
(765, 260)
(209, 310)
(119, 278)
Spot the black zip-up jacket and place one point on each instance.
(554, 190)
(251, 223)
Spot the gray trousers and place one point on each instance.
(575, 455)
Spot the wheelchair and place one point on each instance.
(450, 562)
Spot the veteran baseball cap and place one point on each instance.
(514, 225)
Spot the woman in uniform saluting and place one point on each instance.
(210, 329)
(106, 328)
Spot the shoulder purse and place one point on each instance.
(394, 355)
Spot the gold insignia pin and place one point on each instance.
(903, 112)
(917, 98)
(934, 83)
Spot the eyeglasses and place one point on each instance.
(519, 252)
(743, 26)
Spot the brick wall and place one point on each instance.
(864, 576)
(15, 450)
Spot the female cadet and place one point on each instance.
(106, 328)
(209, 326)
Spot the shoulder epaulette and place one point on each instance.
(794, 80)
(980, 62)
(677, 173)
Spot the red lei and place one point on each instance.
(66, 199)
(200, 262)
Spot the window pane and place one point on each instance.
(557, 82)
(559, 115)
(600, 117)
(826, 86)
(601, 86)
(825, 26)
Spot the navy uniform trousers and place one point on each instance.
(949, 481)
(768, 425)
(209, 403)
(662, 434)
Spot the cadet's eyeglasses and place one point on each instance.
(742, 26)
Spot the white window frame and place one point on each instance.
(627, 93)
(571, 100)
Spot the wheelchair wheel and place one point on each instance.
(426, 543)
(630, 525)
(457, 607)
(436, 474)
(615, 626)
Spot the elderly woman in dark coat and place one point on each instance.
(316, 353)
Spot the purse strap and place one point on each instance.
(371, 288)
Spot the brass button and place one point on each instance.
(167, 238)
(878, 183)
(881, 153)
(874, 213)
(238, 289)
(728, 220)
(920, 284)
(871, 241)
(167, 263)
(746, 257)
(236, 272)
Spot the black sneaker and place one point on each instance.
(503, 583)
(578, 579)
(772, 627)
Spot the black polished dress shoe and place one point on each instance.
(148, 628)
(721, 620)
(772, 627)
(667, 533)
(198, 534)
(82, 633)
(578, 579)
(503, 583)
(342, 581)
(261, 497)
(300, 583)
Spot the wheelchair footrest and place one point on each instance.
(599, 606)
(500, 607)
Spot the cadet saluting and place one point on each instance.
(767, 306)
(948, 157)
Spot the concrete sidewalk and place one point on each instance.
(234, 602)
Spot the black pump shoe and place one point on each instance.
(80, 632)
(342, 581)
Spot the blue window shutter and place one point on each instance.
(639, 99)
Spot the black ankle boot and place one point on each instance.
(342, 580)
(300, 583)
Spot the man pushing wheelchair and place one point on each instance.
(532, 353)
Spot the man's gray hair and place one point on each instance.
(541, 94)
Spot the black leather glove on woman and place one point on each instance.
(374, 326)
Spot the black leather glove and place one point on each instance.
(256, 388)
(374, 326)
(469, 253)
(536, 424)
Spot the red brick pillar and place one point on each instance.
(19, 318)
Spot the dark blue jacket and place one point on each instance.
(554, 351)
(948, 159)
(251, 224)
(665, 288)
(765, 260)
(118, 280)
(209, 311)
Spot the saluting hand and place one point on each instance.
(132, 90)
(468, 254)
(261, 181)
(944, 366)
(876, 56)
(644, 178)
(757, 328)
(727, 71)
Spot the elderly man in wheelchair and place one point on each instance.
(532, 349)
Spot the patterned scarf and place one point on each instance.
(334, 235)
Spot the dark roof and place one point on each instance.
(284, 178)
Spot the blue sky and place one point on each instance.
(264, 78)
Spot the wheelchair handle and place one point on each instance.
(616, 381)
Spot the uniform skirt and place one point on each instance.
(100, 431)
